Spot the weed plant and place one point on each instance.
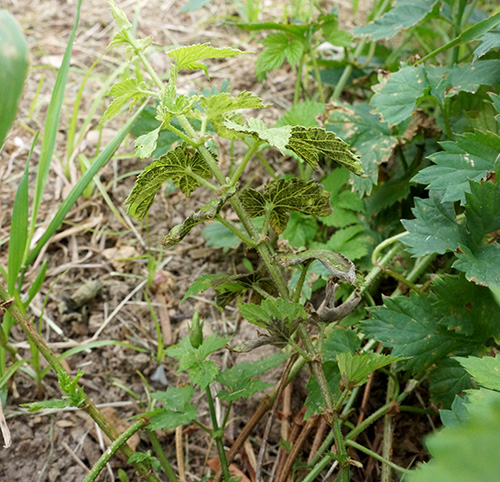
(421, 144)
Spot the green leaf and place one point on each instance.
(495, 99)
(447, 381)
(239, 381)
(303, 114)
(405, 14)
(356, 368)
(469, 77)
(332, 33)
(176, 165)
(202, 372)
(315, 400)
(368, 136)
(203, 283)
(351, 241)
(146, 144)
(205, 213)
(470, 157)
(278, 47)
(434, 229)
(217, 105)
(235, 286)
(338, 265)
(270, 311)
(396, 97)
(480, 265)
(457, 415)
(309, 142)
(482, 210)
(277, 137)
(218, 236)
(486, 370)
(339, 340)
(177, 411)
(189, 57)
(300, 230)
(127, 90)
(286, 195)
(119, 16)
(465, 452)
(426, 328)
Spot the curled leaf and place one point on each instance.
(337, 264)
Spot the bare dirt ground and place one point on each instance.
(93, 245)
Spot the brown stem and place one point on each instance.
(297, 446)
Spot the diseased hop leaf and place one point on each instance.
(275, 136)
(269, 312)
(177, 165)
(337, 264)
(189, 57)
(206, 213)
(307, 142)
(287, 195)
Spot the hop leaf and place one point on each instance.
(189, 57)
(308, 142)
(176, 165)
(287, 195)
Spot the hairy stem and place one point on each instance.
(218, 434)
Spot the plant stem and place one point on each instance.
(376, 456)
(386, 475)
(318, 77)
(300, 283)
(237, 174)
(112, 449)
(218, 434)
(236, 231)
(330, 407)
(298, 81)
(161, 456)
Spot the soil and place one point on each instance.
(119, 262)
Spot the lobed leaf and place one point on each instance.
(278, 47)
(396, 98)
(480, 265)
(426, 329)
(217, 105)
(203, 283)
(127, 90)
(277, 137)
(308, 142)
(177, 165)
(466, 451)
(370, 137)
(270, 311)
(469, 158)
(189, 57)
(486, 370)
(356, 368)
(238, 379)
(405, 14)
(286, 195)
(177, 408)
(434, 229)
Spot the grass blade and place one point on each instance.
(82, 183)
(19, 229)
(52, 125)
